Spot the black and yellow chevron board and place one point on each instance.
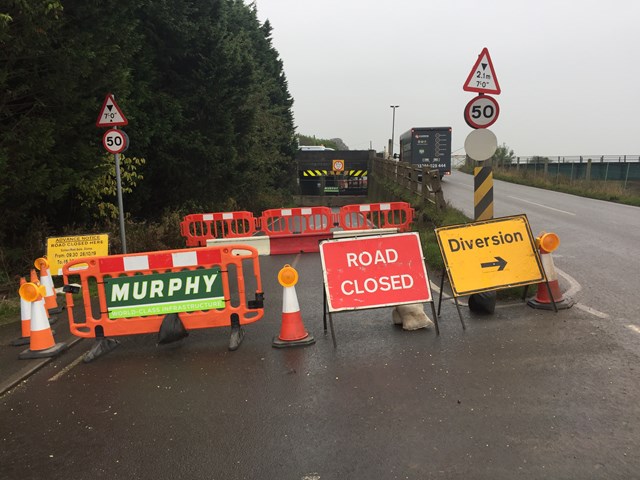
(347, 173)
(483, 193)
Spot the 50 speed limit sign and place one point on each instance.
(481, 112)
(115, 141)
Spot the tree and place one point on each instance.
(503, 156)
(208, 105)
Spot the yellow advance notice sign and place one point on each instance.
(61, 250)
(490, 255)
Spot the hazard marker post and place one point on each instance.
(373, 272)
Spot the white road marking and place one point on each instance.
(58, 375)
(592, 311)
(541, 205)
(633, 328)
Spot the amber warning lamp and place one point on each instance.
(547, 242)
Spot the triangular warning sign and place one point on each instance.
(482, 78)
(110, 114)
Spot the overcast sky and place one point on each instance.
(569, 70)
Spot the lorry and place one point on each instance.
(427, 147)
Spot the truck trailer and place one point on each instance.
(427, 147)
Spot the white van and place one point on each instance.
(317, 148)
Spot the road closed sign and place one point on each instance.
(490, 255)
(371, 272)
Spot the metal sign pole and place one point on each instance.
(123, 237)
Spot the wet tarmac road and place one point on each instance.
(520, 394)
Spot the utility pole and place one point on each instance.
(393, 129)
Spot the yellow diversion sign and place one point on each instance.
(490, 255)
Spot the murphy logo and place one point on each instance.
(164, 293)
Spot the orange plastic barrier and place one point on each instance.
(136, 291)
(296, 221)
(377, 215)
(197, 228)
(293, 230)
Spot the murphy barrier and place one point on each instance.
(291, 230)
(206, 287)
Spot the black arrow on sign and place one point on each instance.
(501, 263)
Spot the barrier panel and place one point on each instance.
(197, 228)
(293, 230)
(377, 215)
(295, 221)
(206, 286)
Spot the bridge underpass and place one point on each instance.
(333, 177)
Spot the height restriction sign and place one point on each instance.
(482, 78)
(110, 114)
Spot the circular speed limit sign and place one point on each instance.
(481, 112)
(114, 141)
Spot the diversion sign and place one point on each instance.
(490, 255)
(161, 294)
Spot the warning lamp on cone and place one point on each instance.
(50, 301)
(292, 331)
(288, 276)
(547, 242)
(32, 292)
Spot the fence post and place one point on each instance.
(627, 175)
(587, 174)
(571, 177)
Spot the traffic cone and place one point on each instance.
(42, 343)
(292, 331)
(50, 299)
(547, 243)
(36, 281)
(25, 320)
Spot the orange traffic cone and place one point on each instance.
(42, 343)
(25, 320)
(50, 299)
(292, 331)
(547, 243)
(36, 281)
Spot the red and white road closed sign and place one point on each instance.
(371, 272)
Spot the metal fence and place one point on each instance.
(623, 168)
